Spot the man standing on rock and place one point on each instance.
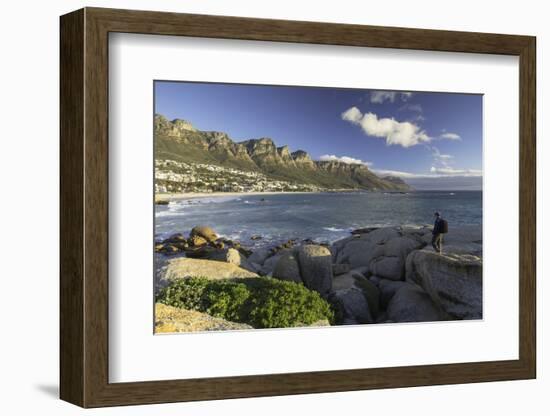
(437, 232)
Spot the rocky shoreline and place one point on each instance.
(376, 275)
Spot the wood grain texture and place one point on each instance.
(71, 100)
(528, 208)
(84, 207)
(96, 209)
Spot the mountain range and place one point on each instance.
(179, 140)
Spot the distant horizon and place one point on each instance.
(427, 139)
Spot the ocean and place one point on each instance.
(322, 217)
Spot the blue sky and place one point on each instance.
(420, 136)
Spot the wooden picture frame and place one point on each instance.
(84, 207)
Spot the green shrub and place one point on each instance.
(187, 295)
(260, 302)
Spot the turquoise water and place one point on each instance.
(322, 217)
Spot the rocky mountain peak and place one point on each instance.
(284, 152)
(303, 160)
(218, 138)
(180, 125)
(260, 146)
(174, 128)
(161, 122)
(301, 156)
(264, 141)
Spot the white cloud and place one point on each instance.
(455, 172)
(450, 136)
(402, 133)
(379, 97)
(400, 174)
(344, 159)
(352, 115)
(434, 173)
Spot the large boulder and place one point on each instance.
(337, 246)
(355, 279)
(454, 281)
(316, 268)
(270, 262)
(387, 289)
(233, 256)
(389, 258)
(341, 268)
(214, 270)
(352, 305)
(375, 279)
(197, 240)
(205, 232)
(411, 304)
(383, 251)
(346, 281)
(169, 319)
(287, 268)
(357, 253)
(372, 294)
(259, 256)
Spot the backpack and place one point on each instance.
(444, 227)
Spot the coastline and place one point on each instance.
(195, 195)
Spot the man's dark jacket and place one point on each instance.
(438, 226)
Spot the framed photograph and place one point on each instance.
(257, 207)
